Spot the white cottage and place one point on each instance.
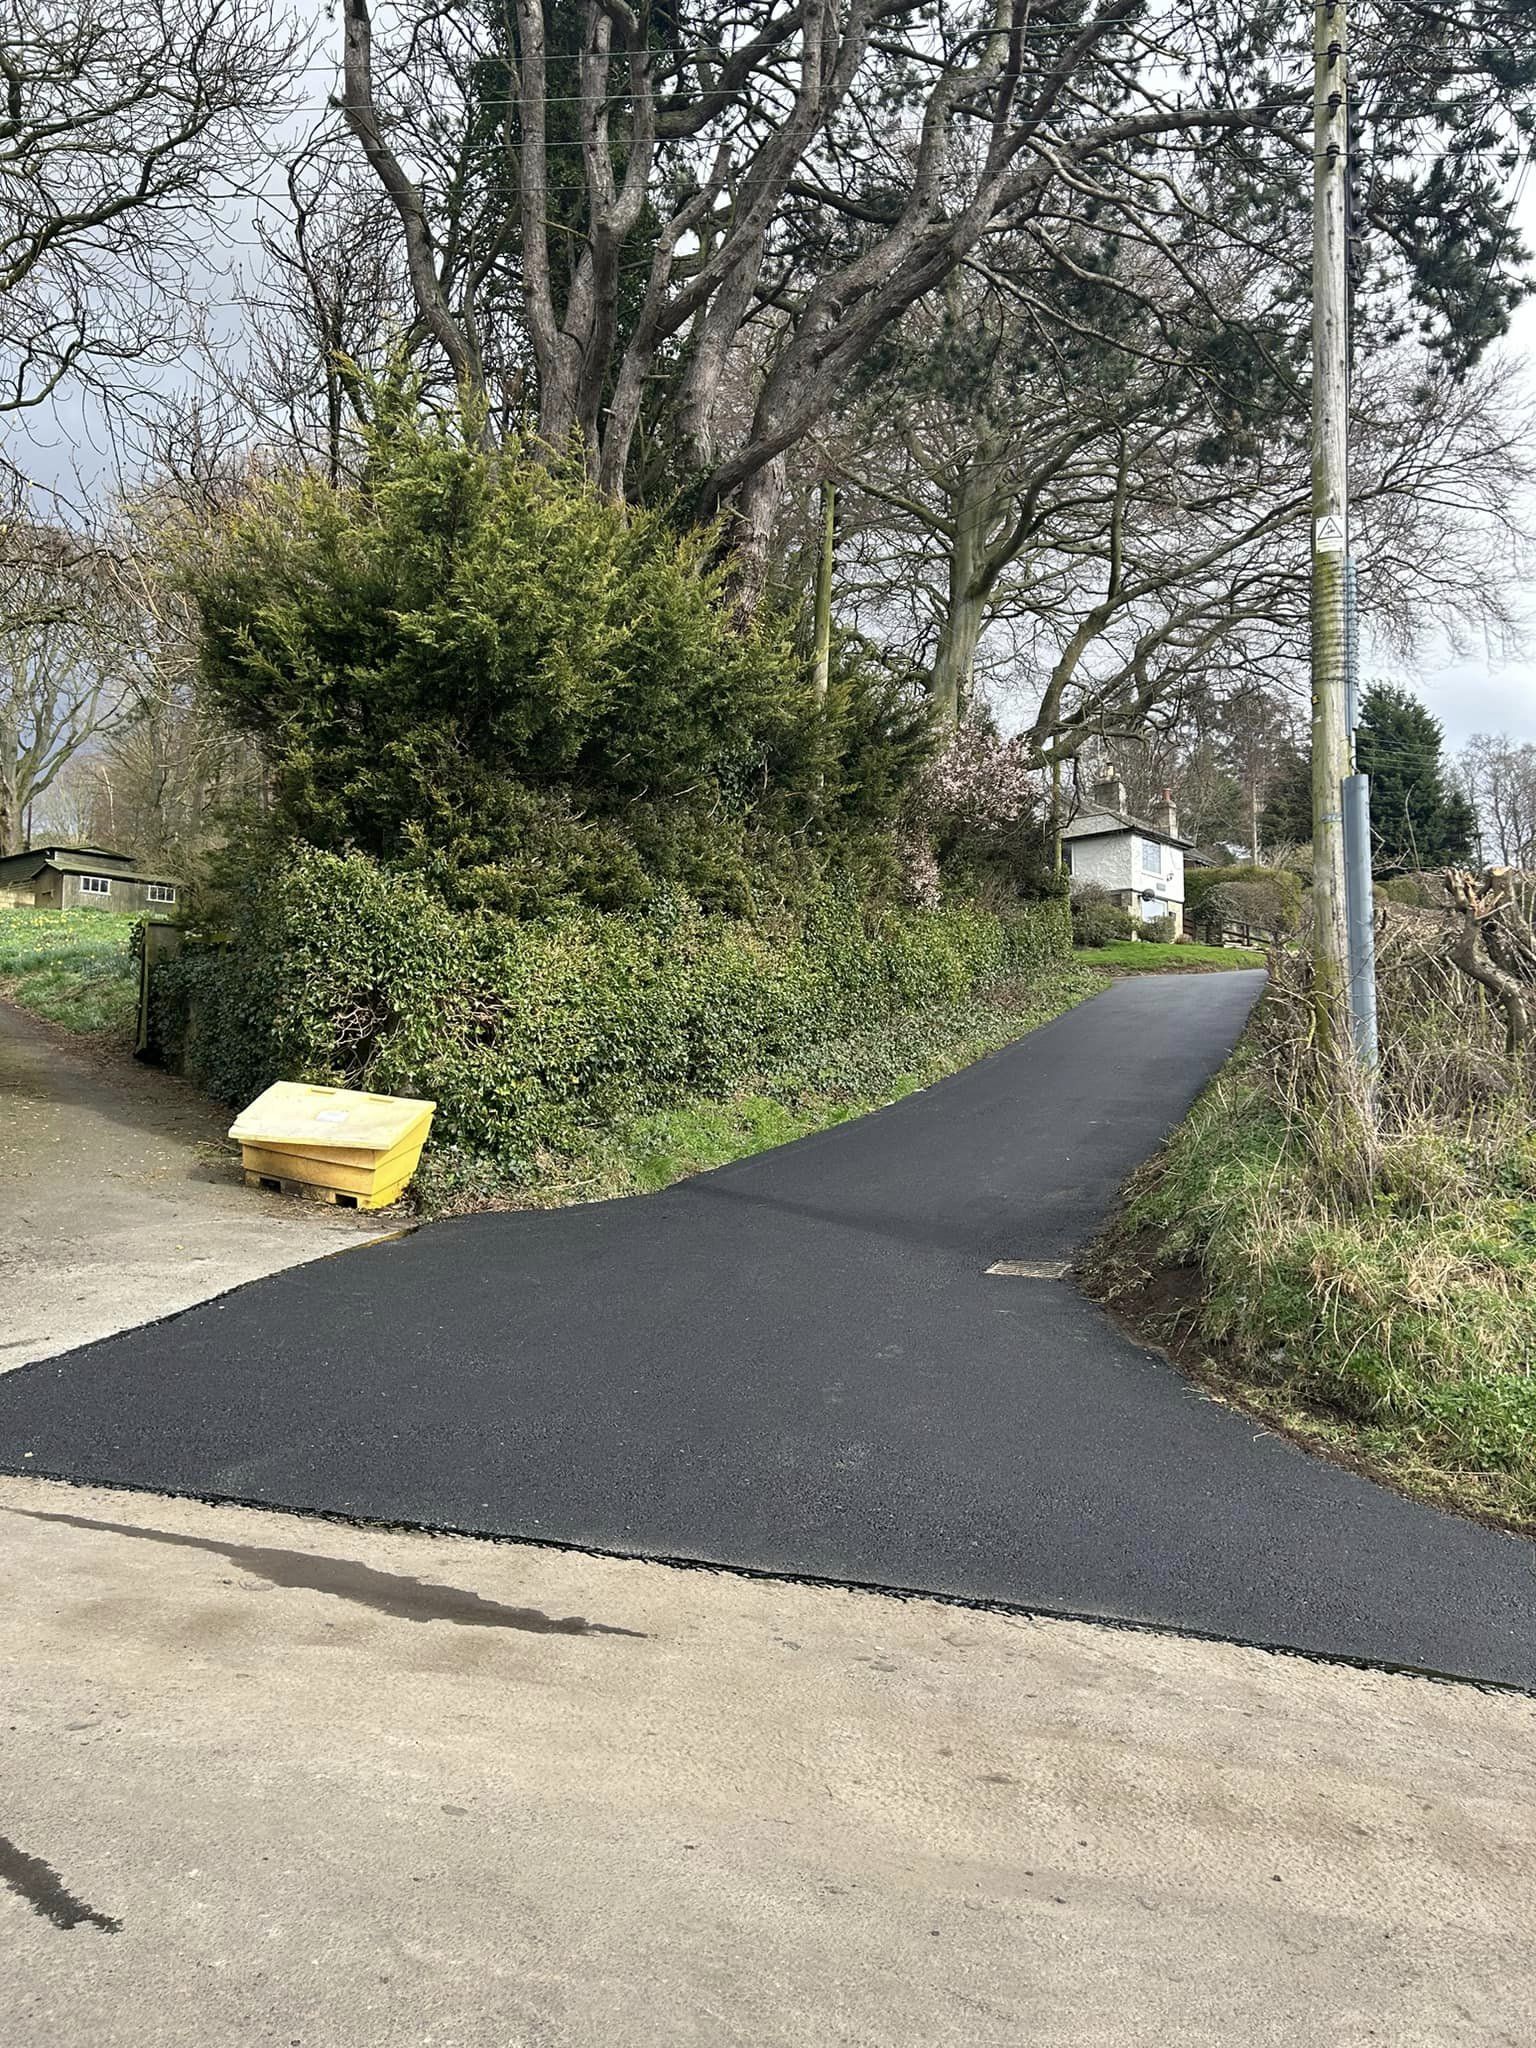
(1138, 862)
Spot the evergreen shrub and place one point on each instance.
(1096, 921)
(484, 669)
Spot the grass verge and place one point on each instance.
(837, 1081)
(1393, 1327)
(71, 967)
(1154, 956)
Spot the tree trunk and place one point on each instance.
(954, 661)
(821, 661)
(965, 615)
(1494, 946)
(10, 806)
(360, 112)
(751, 533)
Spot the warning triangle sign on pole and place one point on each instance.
(1328, 534)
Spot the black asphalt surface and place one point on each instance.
(798, 1364)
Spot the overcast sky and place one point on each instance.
(1476, 695)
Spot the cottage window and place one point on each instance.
(160, 892)
(1151, 857)
(95, 885)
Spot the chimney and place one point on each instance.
(1108, 795)
(1165, 816)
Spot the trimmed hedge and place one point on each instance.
(527, 1033)
(1267, 899)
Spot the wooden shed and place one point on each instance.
(86, 878)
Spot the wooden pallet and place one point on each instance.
(339, 1198)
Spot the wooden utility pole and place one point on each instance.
(821, 664)
(1330, 524)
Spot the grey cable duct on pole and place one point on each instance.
(1360, 902)
(1362, 921)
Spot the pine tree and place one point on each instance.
(1286, 819)
(1418, 818)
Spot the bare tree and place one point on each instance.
(1094, 539)
(1446, 468)
(65, 670)
(611, 195)
(1066, 497)
(1499, 777)
(811, 167)
(1216, 753)
(136, 756)
(330, 305)
(158, 783)
(123, 123)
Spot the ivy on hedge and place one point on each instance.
(526, 1032)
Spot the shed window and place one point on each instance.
(160, 892)
(95, 885)
(1151, 857)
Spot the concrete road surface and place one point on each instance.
(275, 1783)
(120, 1200)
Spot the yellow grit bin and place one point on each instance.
(334, 1144)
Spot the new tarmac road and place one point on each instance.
(801, 1365)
